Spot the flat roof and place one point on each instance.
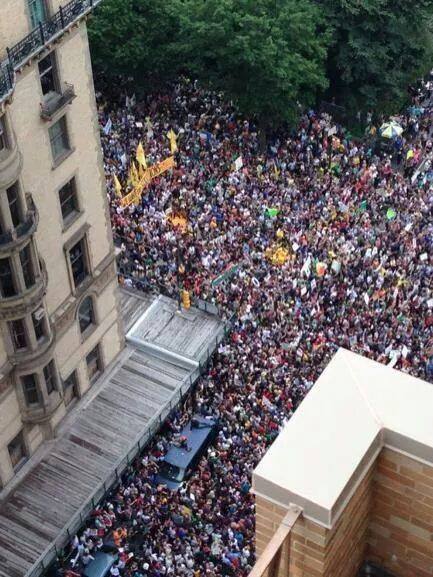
(356, 407)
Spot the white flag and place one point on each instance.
(107, 127)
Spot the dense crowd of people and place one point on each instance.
(350, 221)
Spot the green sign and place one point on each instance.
(225, 275)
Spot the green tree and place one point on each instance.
(379, 48)
(136, 38)
(268, 56)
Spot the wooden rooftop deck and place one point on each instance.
(135, 394)
(186, 333)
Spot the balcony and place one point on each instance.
(57, 102)
(26, 301)
(11, 239)
(35, 42)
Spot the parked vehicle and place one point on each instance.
(100, 566)
(184, 455)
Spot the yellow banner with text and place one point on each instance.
(148, 175)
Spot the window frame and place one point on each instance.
(32, 14)
(4, 140)
(14, 333)
(13, 279)
(54, 69)
(73, 196)
(14, 204)
(66, 387)
(39, 324)
(99, 363)
(51, 379)
(89, 316)
(20, 438)
(86, 260)
(35, 390)
(28, 263)
(62, 135)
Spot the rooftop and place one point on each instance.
(70, 474)
(356, 407)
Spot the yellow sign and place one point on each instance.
(179, 221)
(148, 175)
(277, 255)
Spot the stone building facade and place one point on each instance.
(59, 317)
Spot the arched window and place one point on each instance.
(86, 316)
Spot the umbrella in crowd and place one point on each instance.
(391, 129)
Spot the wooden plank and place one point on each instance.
(101, 435)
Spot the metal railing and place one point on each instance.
(78, 520)
(35, 42)
(57, 101)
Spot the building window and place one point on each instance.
(6, 278)
(86, 316)
(17, 450)
(18, 332)
(38, 12)
(27, 266)
(59, 138)
(14, 203)
(3, 136)
(48, 75)
(94, 365)
(30, 389)
(77, 256)
(50, 377)
(38, 324)
(70, 388)
(68, 199)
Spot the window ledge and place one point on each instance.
(70, 219)
(78, 290)
(62, 158)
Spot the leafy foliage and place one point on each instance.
(379, 48)
(270, 56)
(265, 54)
(265, 57)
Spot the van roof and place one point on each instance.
(100, 566)
(180, 457)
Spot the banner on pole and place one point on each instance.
(148, 175)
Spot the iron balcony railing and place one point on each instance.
(57, 101)
(35, 42)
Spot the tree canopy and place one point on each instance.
(271, 57)
(267, 55)
(378, 48)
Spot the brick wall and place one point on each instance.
(312, 550)
(388, 520)
(401, 522)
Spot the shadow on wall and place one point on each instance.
(372, 570)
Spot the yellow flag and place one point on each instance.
(172, 138)
(117, 186)
(276, 171)
(133, 177)
(141, 158)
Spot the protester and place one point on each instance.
(325, 241)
